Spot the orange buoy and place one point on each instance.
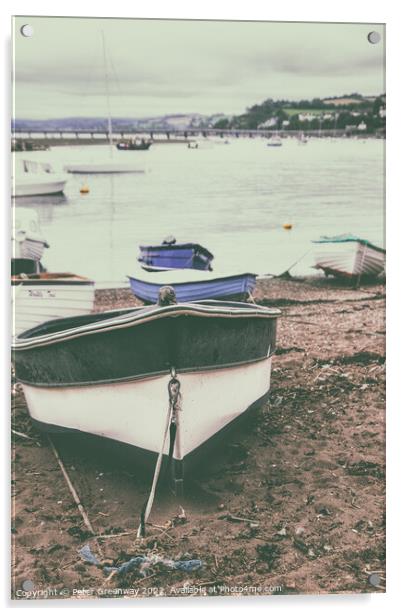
(287, 226)
(84, 189)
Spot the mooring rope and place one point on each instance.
(171, 420)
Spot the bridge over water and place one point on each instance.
(91, 137)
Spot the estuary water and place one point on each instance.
(232, 198)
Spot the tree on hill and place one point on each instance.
(341, 117)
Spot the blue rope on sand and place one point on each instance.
(141, 562)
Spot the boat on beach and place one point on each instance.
(170, 255)
(193, 285)
(27, 240)
(131, 375)
(348, 256)
(44, 296)
(33, 178)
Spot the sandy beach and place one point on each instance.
(293, 503)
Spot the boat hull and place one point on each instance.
(29, 187)
(221, 355)
(27, 241)
(28, 249)
(35, 301)
(349, 259)
(211, 399)
(106, 167)
(237, 286)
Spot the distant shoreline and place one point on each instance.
(24, 140)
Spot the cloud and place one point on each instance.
(156, 63)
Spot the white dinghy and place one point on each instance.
(41, 297)
(132, 374)
(27, 241)
(32, 178)
(106, 166)
(348, 256)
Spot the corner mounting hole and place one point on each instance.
(27, 30)
(374, 37)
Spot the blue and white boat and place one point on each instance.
(169, 255)
(193, 285)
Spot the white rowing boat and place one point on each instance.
(33, 178)
(26, 236)
(130, 374)
(42, 297)
(348, 256)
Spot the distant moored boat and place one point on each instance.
(274, 141)
(105, 166)
(134, 145)
(33, 178)
(26, 236)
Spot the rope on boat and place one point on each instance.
(286, 273)
(170, 427)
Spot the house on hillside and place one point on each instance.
(268, 123)
(306, 117)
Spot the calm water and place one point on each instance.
(232, 198)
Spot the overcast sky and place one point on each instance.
(160, 67)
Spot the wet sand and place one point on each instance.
(293, 503)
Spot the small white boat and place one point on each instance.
(26, 236)
(34, 178)
(106, 166)
(132, 374)
(348, 256)
(42, 297)
(274, 141)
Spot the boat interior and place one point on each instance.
(64, 324)
(48, 276)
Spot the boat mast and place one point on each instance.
(109, 121)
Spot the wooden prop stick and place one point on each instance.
(72, 489)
